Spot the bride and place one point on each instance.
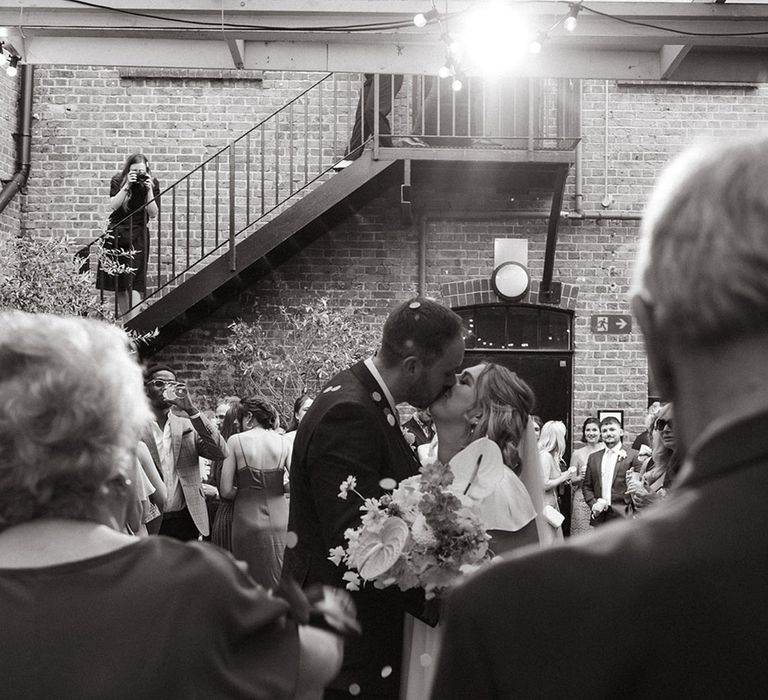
(488, 401)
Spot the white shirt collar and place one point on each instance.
(380, 381)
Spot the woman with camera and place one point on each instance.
(133, 202)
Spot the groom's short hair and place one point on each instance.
(419, 327)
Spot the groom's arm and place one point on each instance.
(344, 443)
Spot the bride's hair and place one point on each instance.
(504, 402)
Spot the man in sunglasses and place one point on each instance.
(176, 440)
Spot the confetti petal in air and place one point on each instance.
(291, 540)
(386, 672)
(354, 689)
(388, 484)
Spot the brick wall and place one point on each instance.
(91, 118)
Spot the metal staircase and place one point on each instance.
(273, 190)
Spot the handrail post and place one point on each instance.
(232, 254)
(532, 107)
(376, 97)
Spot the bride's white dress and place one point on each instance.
(503, 502)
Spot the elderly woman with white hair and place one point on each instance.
(89, 611)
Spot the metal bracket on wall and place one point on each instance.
(406, 213)
(552, 294)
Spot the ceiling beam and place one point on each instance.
(57, 31)
(670, 58)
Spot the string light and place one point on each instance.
(446, 71)
(538, 43)
(570, 20)
(422, 19)
(12, 69)
(457, 84)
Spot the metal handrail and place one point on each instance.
(284, 155)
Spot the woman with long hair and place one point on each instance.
(551, 449)
(133, 200)
(487, 401)
(221, 529)
(655, 478)
(580, 511)
(252, 475)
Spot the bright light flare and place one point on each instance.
(496, 39)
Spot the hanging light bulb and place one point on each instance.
(537, 44)
(12, 69)
(570, 20)
(457, 85)
(446, 71)
(424, 18)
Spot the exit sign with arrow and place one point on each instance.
(612, 323)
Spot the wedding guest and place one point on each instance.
(421, 427)
(604, 484)
(154, 491)
(176, 443)
(551, 449)
(352, 429)
(643, 440)
(134, 193)
(90, 612)
(580, 511)
(653, 480)
(221, 528)
(689, 575)
(537, 423)
(252, 476)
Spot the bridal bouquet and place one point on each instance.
(422, 534)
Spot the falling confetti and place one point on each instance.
(388, 484)
(354, 689)
(291, 540)
(386, 672)
(425, 660)
(414, 305)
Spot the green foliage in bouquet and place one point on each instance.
(294, 350)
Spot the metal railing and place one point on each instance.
(268, 168)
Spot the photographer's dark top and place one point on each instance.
(137, 198)
(154, 619)
(350, 429)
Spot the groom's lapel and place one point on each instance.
(390, 422)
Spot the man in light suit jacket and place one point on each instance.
(352, 429)
(176, 444)
(604, 484)
(687, 581)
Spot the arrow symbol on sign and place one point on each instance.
(621, 324)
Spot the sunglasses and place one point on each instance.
(160, 383)
(662, 423)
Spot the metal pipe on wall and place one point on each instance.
(23, 139)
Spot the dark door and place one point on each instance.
(548, 374)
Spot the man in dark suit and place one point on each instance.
(672, 604)
(352, 429)
(604, 487)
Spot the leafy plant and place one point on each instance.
(292, 351)
(41, 275)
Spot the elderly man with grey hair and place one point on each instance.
(672, 605)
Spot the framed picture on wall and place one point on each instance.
(616, 413)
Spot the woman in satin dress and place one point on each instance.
(252, 475)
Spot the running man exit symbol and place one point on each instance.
(611, 323)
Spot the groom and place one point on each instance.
(352, 429)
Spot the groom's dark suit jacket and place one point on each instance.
(350, 429)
